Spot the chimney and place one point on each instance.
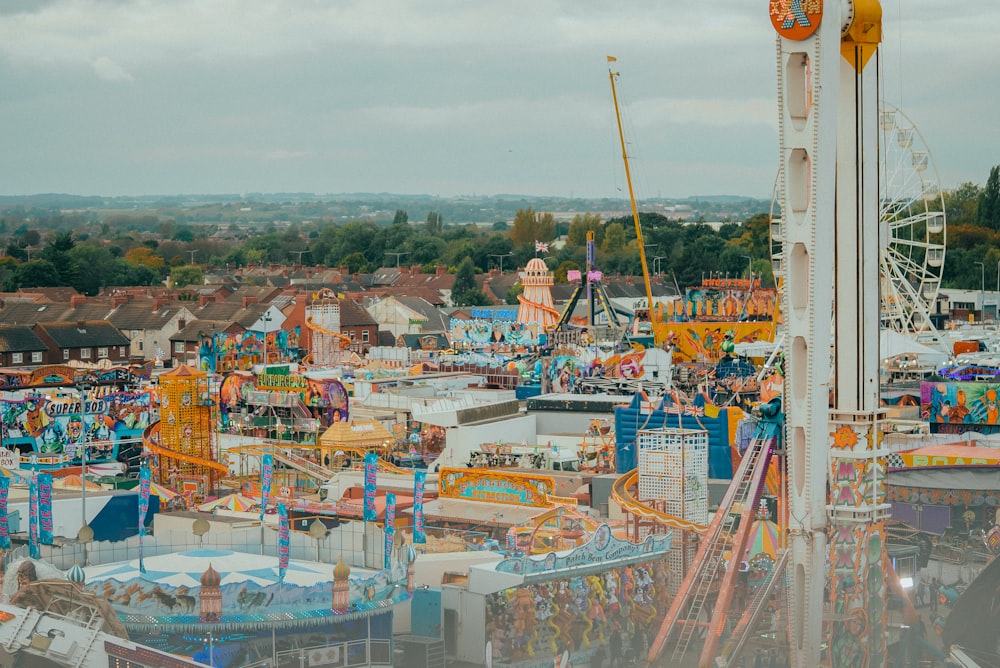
(248, 299)
(284, 272)
(345, 271)
(356, 278)
(81, 325)
(309, 272)
(414, 269)
(440, 270)
(158, 303)
(75, 301)
(118, 299)
(204, 299)
(273, 266)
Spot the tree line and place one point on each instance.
(89, 253)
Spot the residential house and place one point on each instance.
(149, 324)
(87, 342)
(356, 323)
(395, 316)
(412, 279)
(19, 346)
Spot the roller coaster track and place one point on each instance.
(727, 532)
(345, 340)
(622, 495)
(317, 471)
(151, 441)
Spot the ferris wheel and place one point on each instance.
(912, 225)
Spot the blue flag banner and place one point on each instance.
(371, 464)
(419, 480)
(282, 541)
(266, 473)
(33, 550)
(144, 481)
(4, 529)
(390, 527)
(45, 508)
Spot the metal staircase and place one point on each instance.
(727, 532)
(733, 647)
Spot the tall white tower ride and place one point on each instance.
(828, 127)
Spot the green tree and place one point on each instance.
(355, 262)
(512, 294)
(435, 223)
(33, 274)
(989, 201)
(614, 239)
(98, 268)
(530, 227)
(465, 292)
(465, 276)
(401, 218)
(185, 275)
(962, 204)
(581, 225)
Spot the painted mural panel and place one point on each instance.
(479, 333)
(952, 403)
(530, 624)
(59, 424)
(219, 352)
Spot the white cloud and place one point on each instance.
(313, 94)
(109, 70)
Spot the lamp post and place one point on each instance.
(749, 267)
(86, 534)
(656, 263)
(266, 319)
(982, 291)
(501, 256)
(398, 255)
(998, 275)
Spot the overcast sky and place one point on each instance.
(445, 97)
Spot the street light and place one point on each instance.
(982, 290)
(656, 263)
(501, 256)
(266, 319)
(398, 255)
(998, 275)
(86, 533)
(211, 649)
(749, 267)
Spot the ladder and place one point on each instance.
(733, 647)
(722, 535)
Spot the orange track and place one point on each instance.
(155, 448)
(621, 494)
(542, 307)
(345, 340)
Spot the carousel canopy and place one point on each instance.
(234, 501)
(356, 434)
(186, 568)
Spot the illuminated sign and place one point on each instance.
(524, 489)
(795, 19)
(274, 381)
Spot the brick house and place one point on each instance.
(87, 341)
(19, 346)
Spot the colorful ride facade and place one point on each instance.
(54, 417)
